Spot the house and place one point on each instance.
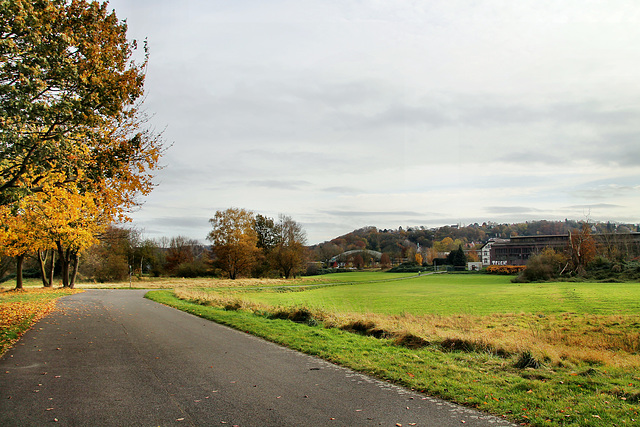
(518, 249)
(485, 251)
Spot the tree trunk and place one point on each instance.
(42, 261)
(65, 261)
(74, 273)
(19, 260)
(53, 266)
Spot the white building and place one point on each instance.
(486, 251)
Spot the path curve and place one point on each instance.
(113, 358)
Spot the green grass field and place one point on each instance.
(449, 294)
(476, 329)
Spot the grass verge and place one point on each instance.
(583, 394)
(20, 309)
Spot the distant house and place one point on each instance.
(474, 266)
(485, 251)
(518, 249)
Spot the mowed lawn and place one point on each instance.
(451, 294)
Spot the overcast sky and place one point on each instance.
(348, 113)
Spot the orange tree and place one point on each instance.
(68, 84)
(234, 241)
(60, 217)
(582, 248)
(71, 128)
(17, 239)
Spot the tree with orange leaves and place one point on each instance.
(67, 78)
(234, 241)
(14, 239)
(60, 217)
(74, 149)
(582, 248)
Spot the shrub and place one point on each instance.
(295, 314)
(102, 265)
(363, 327)
(409, 340)
(407, 267)
(547, 265)
(191, 269)
(526, 360)
(507, 270)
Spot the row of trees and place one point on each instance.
(74, 150)
(244, 243)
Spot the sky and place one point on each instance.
(350, 113)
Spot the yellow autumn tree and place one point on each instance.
(68, 72)
(74, 146)
(235, 241)
(58, 216)
(72, 229)
(17, 238)
(432, 253)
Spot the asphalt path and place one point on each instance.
(113, 358)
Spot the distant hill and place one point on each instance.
(397, 241)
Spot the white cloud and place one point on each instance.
(346, 113)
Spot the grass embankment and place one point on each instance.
(20, 309)
(545, 354)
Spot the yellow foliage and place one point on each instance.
(418, 259)
(19, 315)
(57, 213)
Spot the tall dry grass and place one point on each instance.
(555, 340)
(200, 282)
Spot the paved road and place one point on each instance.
(113, 358)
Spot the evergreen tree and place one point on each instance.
(457, 257)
